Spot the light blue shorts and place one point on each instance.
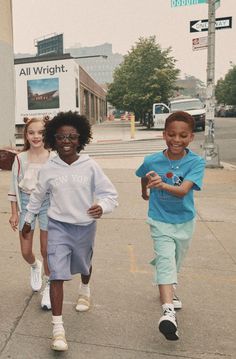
(170, 242)
(70, 249)
(42, 215)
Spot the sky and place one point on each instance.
(122, 23)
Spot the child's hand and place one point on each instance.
(26, 229)
(154, 180)
(14, 220)
(95, 211)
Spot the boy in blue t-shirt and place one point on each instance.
(171, 176)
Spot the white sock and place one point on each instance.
(84, 289)
(57, 324)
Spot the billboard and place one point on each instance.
(46, 87)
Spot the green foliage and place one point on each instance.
(147, 75)
(226, 88)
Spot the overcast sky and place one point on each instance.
(121, 23)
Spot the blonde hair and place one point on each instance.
(28, 121)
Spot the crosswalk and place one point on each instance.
(125, 148)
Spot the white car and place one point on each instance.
(193, 106)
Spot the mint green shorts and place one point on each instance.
(170, 243)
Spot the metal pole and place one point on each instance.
(211, 150)
(132, 126)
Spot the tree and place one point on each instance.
(146, 76)
(225, 91)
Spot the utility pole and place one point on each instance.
(211, 150)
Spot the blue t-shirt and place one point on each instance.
(166, 207)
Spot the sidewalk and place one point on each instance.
(120, 130)
(123, 321)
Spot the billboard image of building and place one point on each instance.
(43, 93)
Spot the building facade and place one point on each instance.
(99, 68)
(7, 96)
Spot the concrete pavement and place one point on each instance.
(123, 320)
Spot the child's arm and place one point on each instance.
(14, 219)
(155, 181)
(144, 183)
(35, 202)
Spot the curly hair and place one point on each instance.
(182, 117)
(79, 122)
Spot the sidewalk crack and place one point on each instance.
(16, 322)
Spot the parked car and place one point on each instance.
(225, 111)
(193, 106)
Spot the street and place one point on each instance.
(117, 140)
(225, 138)
(123, 320)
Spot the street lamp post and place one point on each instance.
(211, 150)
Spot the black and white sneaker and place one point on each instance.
(168, 324)
(177, 302)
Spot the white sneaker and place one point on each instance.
(177, 302)
(46, 302)
(168, 324)
(59, 342)
(83, 303)
(36, 276)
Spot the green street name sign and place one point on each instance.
(175, 3)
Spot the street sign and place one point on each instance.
(202, 25)
(175, 3)
(200, 43)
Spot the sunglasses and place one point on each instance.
(70, 137)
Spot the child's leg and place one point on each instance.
(183, 241)
(83, 303)
(166, 293)
(28, 255)
(43, 248)
(86, 278)
(26, 245)
(45, 302)
(166, 276)
(56, 294)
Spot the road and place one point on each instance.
(225, 137)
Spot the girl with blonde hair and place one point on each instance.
(24, 178)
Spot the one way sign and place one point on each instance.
(202, 25)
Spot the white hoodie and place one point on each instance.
(73, 190)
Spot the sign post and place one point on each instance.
(132, 126)
(211, 150)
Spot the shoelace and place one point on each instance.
(170, 312)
